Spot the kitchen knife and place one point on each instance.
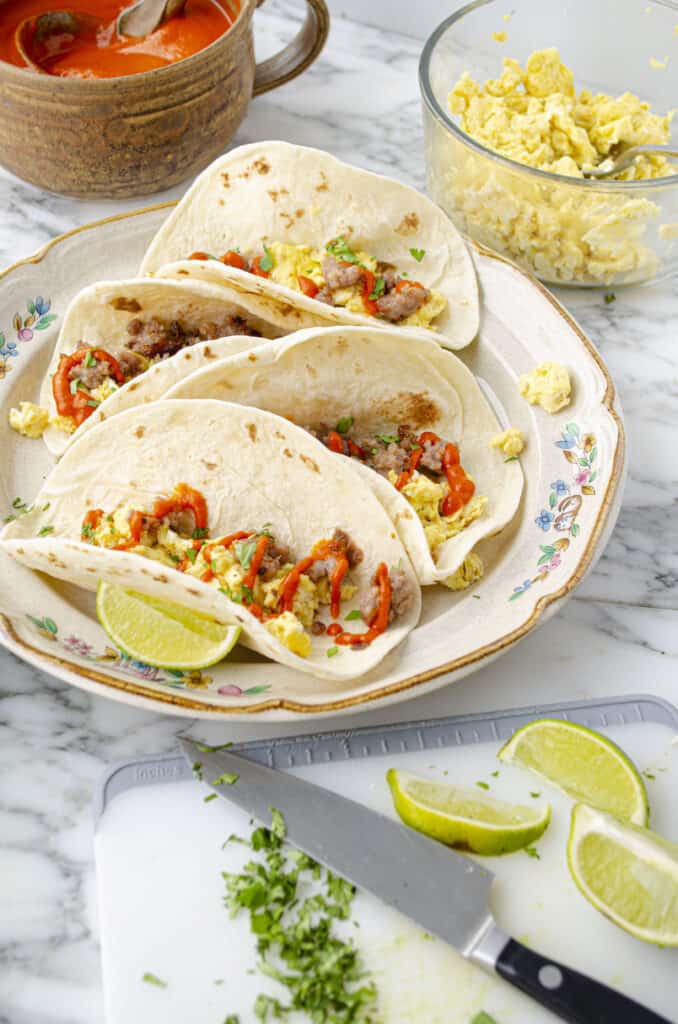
(443, 891)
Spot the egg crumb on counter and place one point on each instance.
(499, 37)
(29, 419)
(470, 571)
(548, 385)
(510, 441)
(534, 115)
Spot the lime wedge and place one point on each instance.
(462, 817)
(582, 763)
(161, 633)
(628, 873)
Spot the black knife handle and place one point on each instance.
(572, 996)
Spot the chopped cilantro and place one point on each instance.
(332, 651)
(266, 262)
(230, 594)
(511, 458)
(88, 530)
(483, 1018)
(387, 438)
(45, 530)
(170, 554)
(379, 286)
(532, 851)
(46, 506)
(92, 402)
(649, 775)
(74, 385)
(207, 749)
(89, 359)
(352, 615)
(418, 254)
(197, 769)
(232, 1018)
(609, 298)
(248, 595)
(199, 533)
(210, 796)
(344, 424)
(495, 773)
(227, 779)
(373, 451)
(482, 785)
(244, 550)
(19, 504)
(153, 979)
(476, 597)
(341, 250)
(191, 554)
(295, 936)
(535, 794)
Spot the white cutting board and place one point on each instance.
(159, 862)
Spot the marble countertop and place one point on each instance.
(618, 635)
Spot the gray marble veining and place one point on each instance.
(619, 635)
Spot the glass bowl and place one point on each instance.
(567, 231)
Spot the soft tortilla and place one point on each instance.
(274, 191)
(253, 468)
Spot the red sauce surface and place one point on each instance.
(101, 54)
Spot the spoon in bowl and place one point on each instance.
(613, 166)
(47, 36)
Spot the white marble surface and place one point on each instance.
(618, 635)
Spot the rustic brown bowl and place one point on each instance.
(111, 138)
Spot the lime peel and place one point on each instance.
(463, 817)
(161, 633)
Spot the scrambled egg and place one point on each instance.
(470, 571)
(107, 388)
(534, 115)
(425, 496)
(548, 385)
(291, 261)
(511, 441)
(290, 633)
(29, 419)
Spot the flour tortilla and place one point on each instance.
(274, 191)
(98, 314)
(253, 468)
(381, 380)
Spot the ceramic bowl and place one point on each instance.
(111, 138)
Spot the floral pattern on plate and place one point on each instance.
(36, 318)
(564, 502)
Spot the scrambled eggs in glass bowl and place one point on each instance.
(520, 97)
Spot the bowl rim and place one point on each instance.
(76, 84)
(441, 115)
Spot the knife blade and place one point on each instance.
(445, 892)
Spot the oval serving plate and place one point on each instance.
(574, 467)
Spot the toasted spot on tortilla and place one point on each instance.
(184, 273)
(311, 370)
(287, 452)
(208, 353)
(261, 165)
(252, 358)
(408, 225)
(311, 463)
(161, 578)
(252, 431)
(20, 551)
(125, 304)
(221, 202)
(299, 213)
(209, 465)
(53, 560)
(225, 180)
(192, 590)
(187, 354)
(415, 408)
(288, 218)
(286, 309)
(225, 385)
(323, 186)
(276, 433)
(132, 386)
(340, 343)
(90, 568)
(140, 431)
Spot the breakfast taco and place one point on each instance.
(411, 419)
(115, 333)
(234, 512)
(341, 244)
